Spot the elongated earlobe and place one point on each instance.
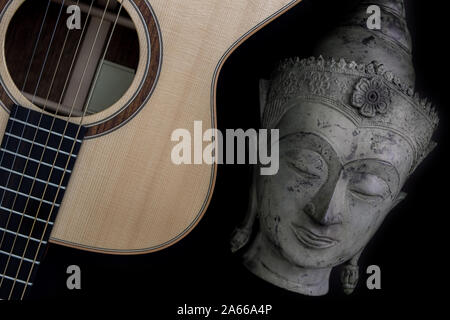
(242, 234)
(350, 274)
(400, 197)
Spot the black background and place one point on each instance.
(411, 246)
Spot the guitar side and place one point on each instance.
(126, 196)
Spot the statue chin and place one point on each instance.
(266, 263)
(351, 134)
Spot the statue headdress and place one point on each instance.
(366, 74)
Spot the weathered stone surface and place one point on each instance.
(351, 133)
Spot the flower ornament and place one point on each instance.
(318, 83)
(371, 97)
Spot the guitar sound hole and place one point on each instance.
(67, 73)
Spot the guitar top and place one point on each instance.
(125, 195)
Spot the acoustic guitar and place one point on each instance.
(90, 93)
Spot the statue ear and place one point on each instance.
(350, 274)
(400, 197)
(264, 87)
(242, 234)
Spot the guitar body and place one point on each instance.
(125, 195)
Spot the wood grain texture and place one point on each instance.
(126, 196)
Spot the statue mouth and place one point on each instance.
(312, 240)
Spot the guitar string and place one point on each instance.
(18, 147)
(54, 118)
(20, 141)
(79, 126)
(15, 112)
(28, 114)
(78, 131)
(48, 136)
(49, 91)
(36, 44)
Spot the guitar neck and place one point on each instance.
(37, 157)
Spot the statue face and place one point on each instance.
(336, 184)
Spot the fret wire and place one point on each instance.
(21, 235)
(26, 205)
(25, 215)
(39, 145)
(6, 142)
(1, 163)
(9, 176)
(19, 249)
(34, 160)
(28, 195)
(65, 170)
(27, 223)
(18, 257)
(28, 113)
(30, 177)
(13, 265)
(45, 130)
(18, 280)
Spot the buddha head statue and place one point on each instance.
(351, 132)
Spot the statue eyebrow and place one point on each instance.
(295, 156)
(312, 140)
(323, 157)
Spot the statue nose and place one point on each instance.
(326, 207)
(327, 217)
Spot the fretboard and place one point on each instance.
(37, 157)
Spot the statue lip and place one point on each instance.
(313, 240)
